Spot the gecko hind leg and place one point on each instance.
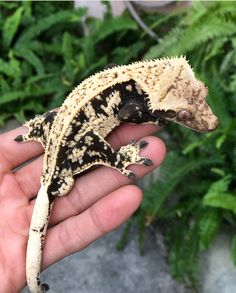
(99, 152)
(38, 128)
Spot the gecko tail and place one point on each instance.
(39, 223)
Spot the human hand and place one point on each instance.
(99, 202)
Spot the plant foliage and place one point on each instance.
(200, 169)
(45, 53)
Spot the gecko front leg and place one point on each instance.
(38, 128)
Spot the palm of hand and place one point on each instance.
(14, 225)
(99, 202)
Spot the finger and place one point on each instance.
(78, 232)
(127, 132)
(14, 153)
(28, 176)
(93, 186)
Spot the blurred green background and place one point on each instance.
(45, 53)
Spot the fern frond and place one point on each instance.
(6, 69)
(216, 97)
(193, 37)
(114, 25)
(183, 255)
(32, 59)
(218, 195)
(225, 201)
(168, 41)
(233, 250)
(174, 170)
(11, 25)
(12, 97)
(209, 225)
(46, 23)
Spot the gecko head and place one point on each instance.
(178, 96)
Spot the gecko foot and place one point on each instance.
(19, 138)
(131, 175)
(45, 287)
(147, 162)
(129, 155)
(143, 144)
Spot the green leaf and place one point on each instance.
(12, 96)
(209, 225)
(183, 256)
(220, 140)
(45, 23)
(11, 25)
(195, 36)
(11, 69)
(20, 116)
(215, 48)
(123, 55)
(217, 100)
(225, 201)
(3, 118)
(32, 58)
(221, 185)
(218, 196)
(173, 170)
(7, 68)
(124, 237)
(233, 250)
(67, 48)
(195, 144)
(168, 41)
(110, 26)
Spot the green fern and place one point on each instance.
(113, 25)
(233, 250)
(216, 99)
(46, 23)
(31, 58)
(196, 36)
(219, 196)
(209, 225)
(179, 40)
(10, 26)
(170, 39)
(159, 191)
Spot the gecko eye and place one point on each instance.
(184, 115)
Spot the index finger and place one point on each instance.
(14, 153)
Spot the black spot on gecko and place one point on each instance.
(50, 116)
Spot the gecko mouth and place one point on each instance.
(204, 122)
(201, 124)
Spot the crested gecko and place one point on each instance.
(152, 91)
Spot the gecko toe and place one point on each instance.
(19, 138)
(131, 176)
(133, 142)
(45, 287)
(147, 162)
(143, 144)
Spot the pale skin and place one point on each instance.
(100, 201)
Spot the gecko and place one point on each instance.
(74, 137)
